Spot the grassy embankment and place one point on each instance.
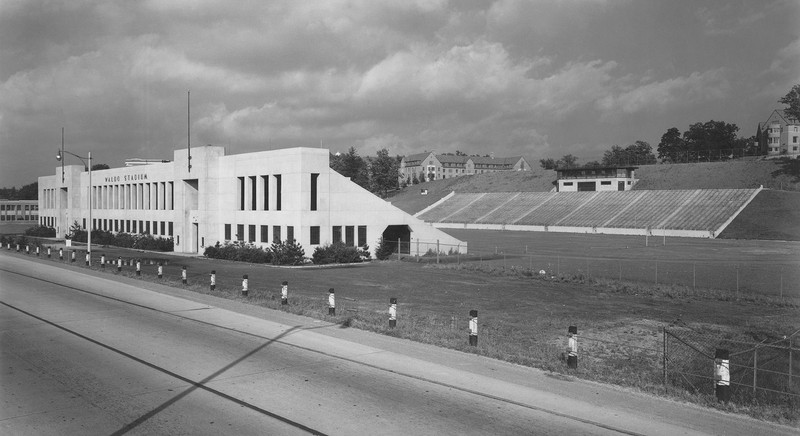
(523, 318)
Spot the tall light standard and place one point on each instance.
(60, 157)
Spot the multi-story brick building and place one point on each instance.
(779, 135)
(429, 166)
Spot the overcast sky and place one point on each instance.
(538, 78)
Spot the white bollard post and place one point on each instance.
(119, 263)
(213, 279)
(473, 328)
(244, 285)
(331, 302)
(72, 256)
(37, 251)
(572, 347)
(285, 293)
(49, 253)
(392, 312)
(87, 258)
(160, 270)
(103, 261)
(138, 267)
(183, 275)
(27, 250)
(61, 254)
(722, 374)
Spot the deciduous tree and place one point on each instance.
(792, 102)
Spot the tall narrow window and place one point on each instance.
(171, 228)
(265, 182)
(337, 234)
(240, 232)
(276, 234)
(241, 193)
(277, 192)
(314, 240)
(314, 178)
(227, 232)
(349, 236)
(362, 236)
(290, 233)
(264, 233)
(251, 233)
(253, 194)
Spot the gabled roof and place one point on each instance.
(510, 161)
(419, 157)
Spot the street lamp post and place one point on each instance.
(60, 157)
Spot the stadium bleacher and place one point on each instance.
(700, 212)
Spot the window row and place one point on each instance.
(264, 233)
(160, 228)
(353, 236)
(137, 196)
(265, 192)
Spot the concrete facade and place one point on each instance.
(256, 197)
(22, 211)
(596, 179)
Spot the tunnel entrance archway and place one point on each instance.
(401, 232)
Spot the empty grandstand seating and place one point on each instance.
(704, 210)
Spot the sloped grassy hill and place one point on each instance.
(777, 174)
(772, 215)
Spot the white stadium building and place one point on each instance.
(261, 197)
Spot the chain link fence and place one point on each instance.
(765, 372)
(779, 280)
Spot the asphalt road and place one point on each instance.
(82, 354)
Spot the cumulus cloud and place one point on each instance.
(659, 96)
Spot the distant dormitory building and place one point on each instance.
(22, 211)
(261, 197)
(429, 166)
(595, 179)
(779, 135)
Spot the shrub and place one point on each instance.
(287, 253)
(41, 231)
(337, 252)
(384, 249)
(238, 251)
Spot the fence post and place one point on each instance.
(392, 312)
(285, 293)
(790, 364)
(755, 369)
(473, 328)
(398, 248)
(656, 273)
(664, 359)
(572, 347)
(437, 251)
(722, 374)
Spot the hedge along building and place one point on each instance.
(261, 197)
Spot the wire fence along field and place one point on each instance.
(774, 280)
(765, 372)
